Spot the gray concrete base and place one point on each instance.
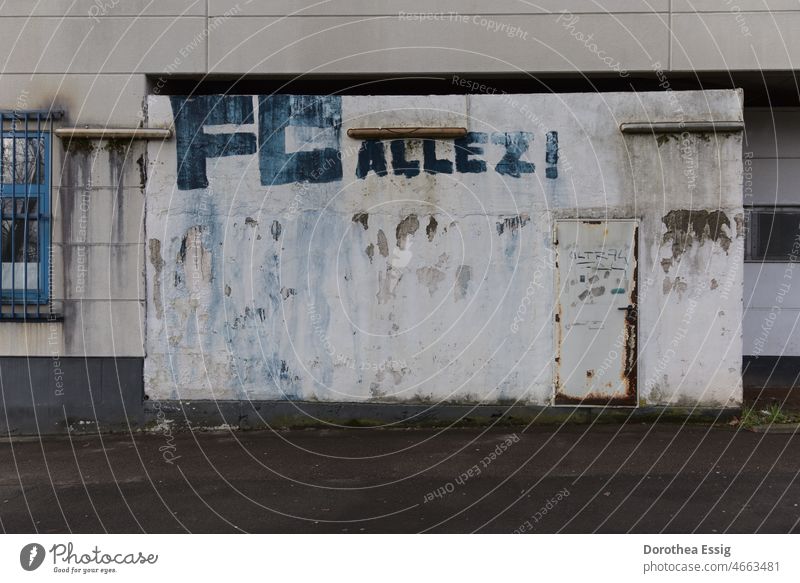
(211, 415)
(43, 395)
(46, 395)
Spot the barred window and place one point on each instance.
(24, 213)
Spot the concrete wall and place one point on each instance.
(288, 262)
(91, 58)
(352, 37)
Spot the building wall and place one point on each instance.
(313, 270)
(99, 60)
(113, 37)
(772, 296)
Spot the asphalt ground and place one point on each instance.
(571, 478)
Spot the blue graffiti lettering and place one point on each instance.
(516, 144)
(194, 146)
(371, 158)
(278, 112)
(408, 168)
(464, 150)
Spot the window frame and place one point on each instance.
(35, 125)
(752, 230)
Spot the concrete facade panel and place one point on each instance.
(724, 41)
(114, 45)
(354, 45)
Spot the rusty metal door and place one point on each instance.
(596, 316)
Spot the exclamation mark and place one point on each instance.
(551, 155)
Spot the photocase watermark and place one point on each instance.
(22, 100)
(342, 360)
(688, 152)
(613, 355)
(82, 237)
(481, 21)
(680, 335)
(569, 22)
(555, 154)
(163, 425)
(390, 365)
(543, 265)
(474, 471)
(666, 85)
(747, 174)
(94, 561)
(547, 507)
(189, 48)
(302, 189)
(101, 8)
(66, 560)
(53, 335)
(32, 556)
(741, 21)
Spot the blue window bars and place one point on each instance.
(25, 213)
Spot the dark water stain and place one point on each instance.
(666, 264)
(383, 243)
(251, 222)
(141, 162)
(275, 230)
(408, 226)
(463, 277)
(288, 291)
(158, 264)
(430, 230)
(684, 226)
(430, 277)
(363, 219)
(370, 251)
(677, 285)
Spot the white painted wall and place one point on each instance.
(238, 307)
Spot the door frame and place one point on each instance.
(625, 402)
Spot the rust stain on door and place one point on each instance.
(596, 328)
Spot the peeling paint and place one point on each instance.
(362, 219)
(408, 226)
(686, 226)
(383, 244)
(430, 230)
(463, 277)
